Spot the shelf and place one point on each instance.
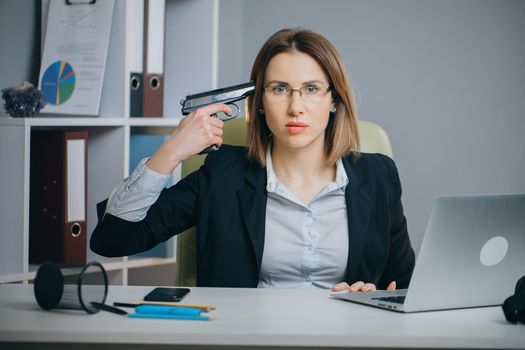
(149, 122)
(6, 277)
(115, 264)
(63, 121)
(146, 262)
(191, 66)
(91, 122)
(17, 277)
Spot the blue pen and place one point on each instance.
(167, 310)
(171, 317)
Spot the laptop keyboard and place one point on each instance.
(397, 299)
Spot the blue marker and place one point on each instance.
(167, 310)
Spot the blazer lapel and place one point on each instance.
(252, 201)
(358, 205)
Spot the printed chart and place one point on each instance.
(58, 82)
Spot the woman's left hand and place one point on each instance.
(360, 286)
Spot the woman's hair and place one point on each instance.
(341, 135)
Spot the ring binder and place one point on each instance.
(136, 92)
(57, 223)
(154, 27)
(135, 55)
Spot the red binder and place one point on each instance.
(57, 203)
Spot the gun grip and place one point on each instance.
(209, 149)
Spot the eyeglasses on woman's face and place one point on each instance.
(309, 92)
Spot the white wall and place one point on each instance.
(446, 79)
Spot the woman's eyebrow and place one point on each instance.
(281, 82)
(313, 82)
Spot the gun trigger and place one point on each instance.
(234, 113)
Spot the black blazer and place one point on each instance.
(226, 200)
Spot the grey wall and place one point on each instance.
(20, 38)
(446, 79)
(232, 69)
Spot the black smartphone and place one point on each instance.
(167, 294)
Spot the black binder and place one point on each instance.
(136, 91)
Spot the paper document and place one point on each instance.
(74, 56)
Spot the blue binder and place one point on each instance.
(142, 146)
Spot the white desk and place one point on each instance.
(257, 318)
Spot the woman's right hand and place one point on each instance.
(196, 132)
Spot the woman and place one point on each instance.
(300, 207)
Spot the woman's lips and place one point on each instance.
(296, 127)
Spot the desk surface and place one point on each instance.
(258, 318)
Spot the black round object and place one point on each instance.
(514, 306)
(49, 285)
(90, 308)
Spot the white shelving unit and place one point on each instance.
(191, 60)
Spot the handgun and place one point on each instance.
(228, 95)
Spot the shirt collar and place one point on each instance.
(271, 178)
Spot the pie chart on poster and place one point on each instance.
(58, 82)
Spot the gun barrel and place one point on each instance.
(225, 95)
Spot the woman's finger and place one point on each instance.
(340, 286)
(356, 286)
(368, 287)
(216, 122)
(215, 108)
(217, 131)
(392, 286)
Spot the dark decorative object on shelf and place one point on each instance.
(23, 100)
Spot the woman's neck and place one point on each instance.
(301, 165)
(304, 172)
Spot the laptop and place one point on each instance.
(472, 254)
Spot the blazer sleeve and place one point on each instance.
(401, 258)
(173, 212)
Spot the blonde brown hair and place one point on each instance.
(341, 135)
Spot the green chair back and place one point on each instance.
(234, 134)
(374, 139)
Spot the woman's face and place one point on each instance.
(296, 122)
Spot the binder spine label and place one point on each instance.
(76, 196)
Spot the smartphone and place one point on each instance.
(167, 294)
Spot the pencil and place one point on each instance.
(173, 317)
(195, 306)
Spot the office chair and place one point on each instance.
(374, 139)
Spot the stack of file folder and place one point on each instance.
(146, 42)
